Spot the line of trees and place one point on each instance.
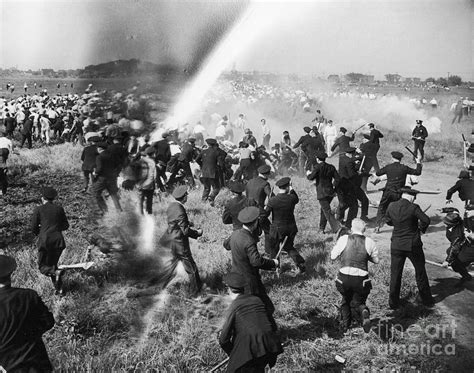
(452, 80)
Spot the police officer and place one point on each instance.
(374, 137)
(355, 251)
(282, 209)
(177, 238)
(396, 178)
(186, 156)
(343, 141)
(235, 205)
(162, 157)
(258, 189)
(408, 221)
(326, 178)
(465, 188)
(419, 135)
(250, 349)
(303, 144)
(348, 191)
(23, 319)
(246, 260)
(208, 159)
(47, 222)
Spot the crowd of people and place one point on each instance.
(115, 156)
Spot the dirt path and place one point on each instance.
(456, 304)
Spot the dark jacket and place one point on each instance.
(187, 153)
(314, 144)
(257, 189)
(10, 124)
(247, 261)
(27, 127)
(247, 333)
(369, 149)
(163, 151)
(23, 319)
(88, 156)
(106, 166)
(232, 209)
(48, 221)
(465, 188)
(397, 174)
(343, 142)
(374, 137)
(303, 142)
(420, 131)
(179, 230)
(324, 174)
(119, 155)
(408, 221)
(208, 160)
(282, 208)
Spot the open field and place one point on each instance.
(99, 328)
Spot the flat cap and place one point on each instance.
(397, 155)
(180, 192)
(7, 265)
(350, 149)
(94, 139)
(343, 129)
(283, 182)
(49, 193)
(452, 219)
(463, 174)
(371, 125)
(248, 214)
(409, 190)
(211, 141)
(265, 169)
(237, 187)
(247, 131)
(149, 150)
(419, 121)
(235, 280)
(321, 155)
(307, 129)
(165, 134)
(102, 145)
(447, 210)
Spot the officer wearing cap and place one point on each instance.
(177, 237)
(146, 181)
(246, 260)
(88, 157)
(47, 222)
(282, 209)
(419, 135)
(258, 190)
(460, 253)
(187, 155)
(327, 179)
(408, 221)
(249, 349)
(465, 188)
(162, 157)
(23, 319)
(396, 177)
(106, 174)
(210, 160)
(235, 205)
(342, 142)
(303, 144)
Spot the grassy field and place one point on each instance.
(99, 328)
(111, 320)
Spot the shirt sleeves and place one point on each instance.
(339, 247)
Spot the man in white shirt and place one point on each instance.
(221, 131)
(266, 134)
(198, 133)
(330, 136)
(355, 251)
(6, 147)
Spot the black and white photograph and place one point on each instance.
(236, 186)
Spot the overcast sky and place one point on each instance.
(412, 38)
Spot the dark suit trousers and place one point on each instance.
(208, 183)
(195, 283)
(110, 185)
(388, 197)
(243, 170)
(419, 147)
(48, 261)
(3, 180)
(327, 216)
(25, 138)
(289, 247)
(364, 201)
(417, 257)
(354, 291)
(347, 200)
(258, 365)
(146, 196)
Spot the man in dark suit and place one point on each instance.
(408, 223)
(349, 190)
(186, 156)
(162, 157)
(27, 132)
(465, 188)
(258, 189)
(327, 179)
(282, 209)
(10, 125)
(235, 205)
(208, 160)
(180, 229)
(106, 177)
(373, 137)
(303, 144)
(23, 319)
(396, 179)
(419, 135)
(48, 222)
(249, 335)
(88, 156)
(343, 142)
(369, 158)
(246, 260)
